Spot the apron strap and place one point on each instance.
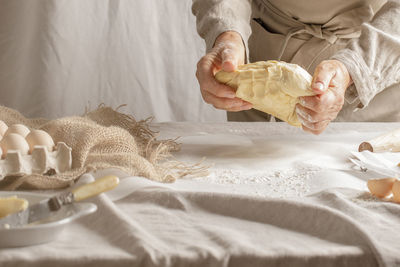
(289, 35)
(343, 26)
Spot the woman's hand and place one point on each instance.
(330, 82)
(227, 53)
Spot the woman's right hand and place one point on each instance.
(227, 53)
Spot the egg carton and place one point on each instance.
(40, 161)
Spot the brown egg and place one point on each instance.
(396, 191)
(18, 129)
(3, 128)
(39, 138)
(14, 141)
(381, 187)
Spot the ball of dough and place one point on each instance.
(271, 86)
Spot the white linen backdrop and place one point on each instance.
(59, 56)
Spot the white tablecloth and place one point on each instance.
(275, 196)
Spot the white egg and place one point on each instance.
(3, 128)
(18, 129)
(39, 138)
(14, 141)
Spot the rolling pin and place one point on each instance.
(389, 142)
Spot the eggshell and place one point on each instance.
(39, 138)
(396, 191)
(18, 129)
(14, 141)
(381, 187)
(3, 128)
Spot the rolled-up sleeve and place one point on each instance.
(214, 17)
(373, 59)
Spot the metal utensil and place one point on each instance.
(47, 207)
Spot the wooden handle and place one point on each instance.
(387, 142)
(365, 146)
(101, 185)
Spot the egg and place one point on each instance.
(381, 187)
(14, 141)
(18, 129)
(3, 128)
(396, 191)
(39, 138)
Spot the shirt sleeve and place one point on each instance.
(373, 59)
(214, 17)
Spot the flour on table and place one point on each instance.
(288, 182)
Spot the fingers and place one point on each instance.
(314, 130)
(311, 116)
(219, 95)
(229, 60)
(316, 112)
(312, 121)
(323, 75)
(231, 49)
(229, 104)
(227, 53)
(319, 103)
(310, 125)
(330, 81)
(205, 76)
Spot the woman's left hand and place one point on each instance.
(330, 82)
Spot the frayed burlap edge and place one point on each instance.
(156, 153)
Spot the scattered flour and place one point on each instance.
(292, 182)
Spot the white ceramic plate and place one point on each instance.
(46, 231)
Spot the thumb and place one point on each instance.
(229, 60)
(322, 77)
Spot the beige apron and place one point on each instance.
(277, 35)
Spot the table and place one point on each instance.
(274, 195)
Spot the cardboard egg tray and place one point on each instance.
(40, 161)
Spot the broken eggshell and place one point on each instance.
(381, 187)
(396, 191)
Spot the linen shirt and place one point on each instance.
(371, 54)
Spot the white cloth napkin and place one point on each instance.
(383, 163)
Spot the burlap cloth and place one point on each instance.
(103, 138)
